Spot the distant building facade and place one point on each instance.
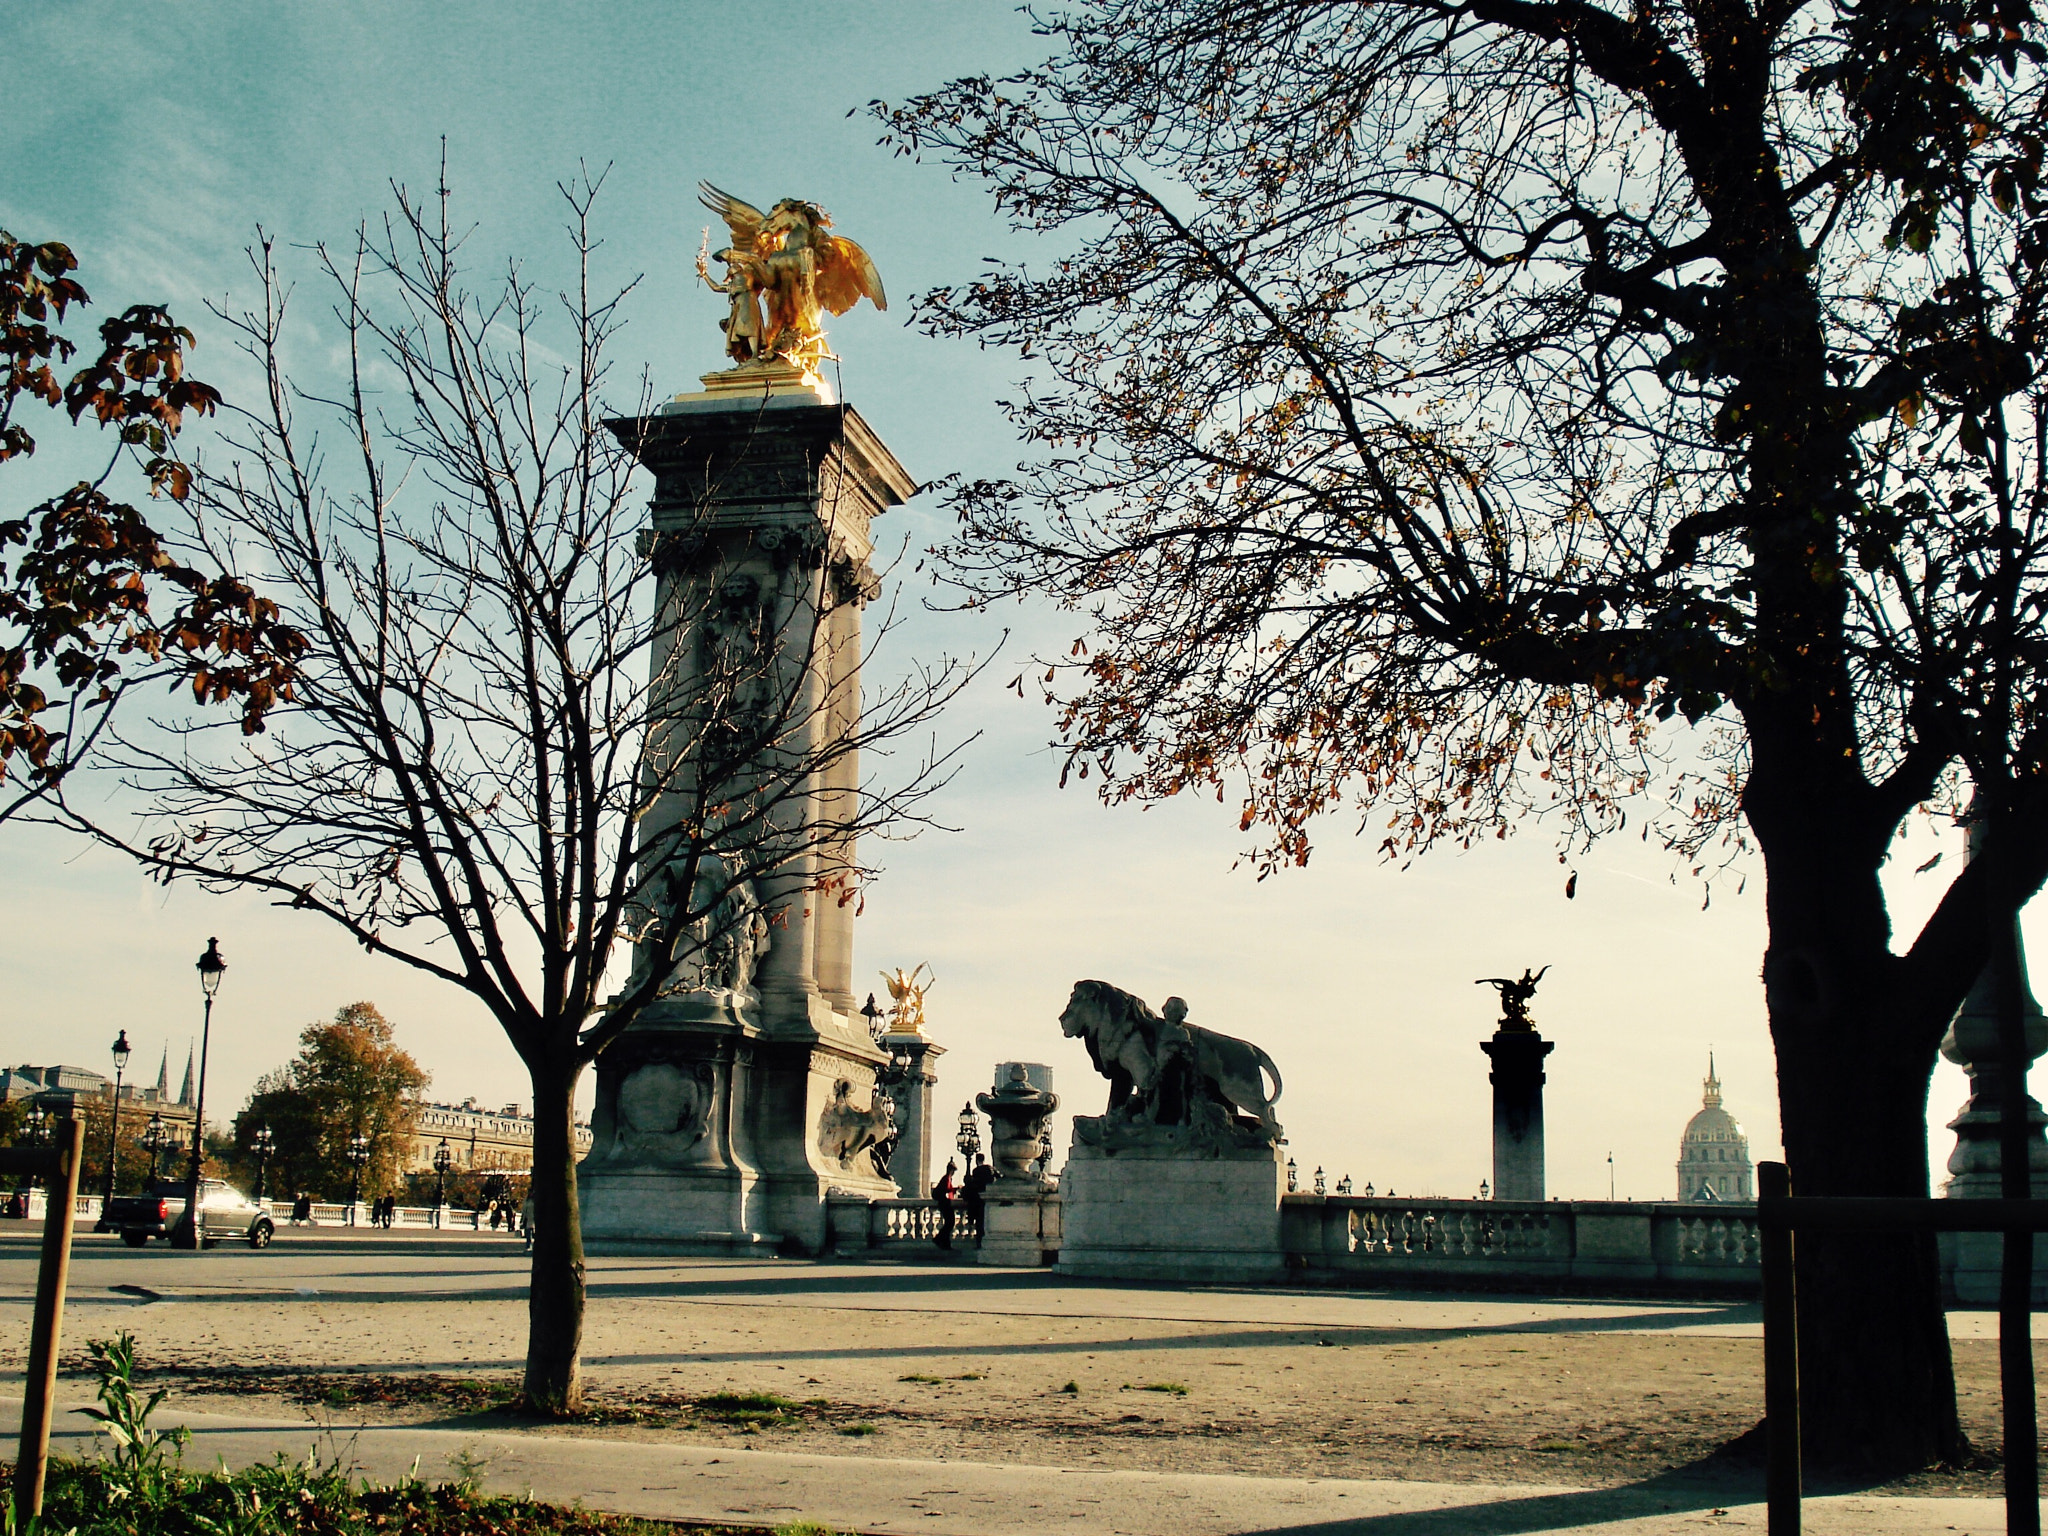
(1713, 1154)
(57, 1090)
(487, 1141)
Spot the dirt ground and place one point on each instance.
(1586, 1408)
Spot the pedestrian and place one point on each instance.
(945, 1192)
(497, 1216)
(979, 1177)
(526, 1221)
(302, 1210)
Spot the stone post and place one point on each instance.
(1517, 1079)
(910, 1165)
(711, 1124)
(1970, 1260)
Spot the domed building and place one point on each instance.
(1713, 1154)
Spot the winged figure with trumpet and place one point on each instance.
(783, 270)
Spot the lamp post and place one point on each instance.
(443, 1161)
(154, 1141)
(121, 1054)
(1293, 1177)
(211, 968)
(262, 1144)
(358, 1154)
(38, 1126)
(969, 1139)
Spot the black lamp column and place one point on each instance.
(262, 1144)
(358, 1154)
(153, 1141)
(121, 1054)
(211, 969)
(443, 1160)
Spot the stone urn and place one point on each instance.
(1017, 1114)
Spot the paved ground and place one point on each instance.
(949, 1398)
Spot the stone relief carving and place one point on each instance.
(1169, 1080)
(730, 935)
(844, 1131)
(664, 1111)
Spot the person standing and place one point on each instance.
(947, 1192)
(975, 1189)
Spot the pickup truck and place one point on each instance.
(223, 1212)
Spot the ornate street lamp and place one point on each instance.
(1320, 1189)
(262, 1144)
(154, 1140)
(1369, 1190)
(1293, 1184)
(38, 1130)
(211, 968)
(969, 1139)
(358, 1154)
(1485, 1190)
(443, 1161)
(1344, 1185)
(121, 1055)
(874, 1016)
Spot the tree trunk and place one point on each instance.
(555, 1289)
(1855, 1056)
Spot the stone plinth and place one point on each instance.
(1170, 1208)
(1020, 1227)
(1517, 1079)
(727, 1113)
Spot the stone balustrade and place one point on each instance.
(1354, 1240)
(858, 1224)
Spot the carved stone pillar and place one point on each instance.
(726, 1113)
(910, 1165)
(1517, 1079)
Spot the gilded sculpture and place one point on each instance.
(783, 270)
(907, 992)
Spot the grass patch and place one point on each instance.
(967, 1376)
(1172, 1387)
(858, 1429)
(1073, 1387)
(750, 1410)
(915, 1376)
(92, 1498)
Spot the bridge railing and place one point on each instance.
(1355, 1239)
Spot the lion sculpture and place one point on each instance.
(1164, 1070)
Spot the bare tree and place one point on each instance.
(508, 762)
(1445, 405)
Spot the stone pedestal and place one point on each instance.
(1169, 1207)
(726, 1113)
(910, 1165)
(1517, 1079)
(1020, 1226)
(1971, 1261)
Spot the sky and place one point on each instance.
(155, 141)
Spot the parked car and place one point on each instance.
(224, 1211)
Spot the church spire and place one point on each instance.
(1712, 1097)
(163, 1075)
(185, 1093)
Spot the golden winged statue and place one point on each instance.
(782, 271)
(907, 992)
